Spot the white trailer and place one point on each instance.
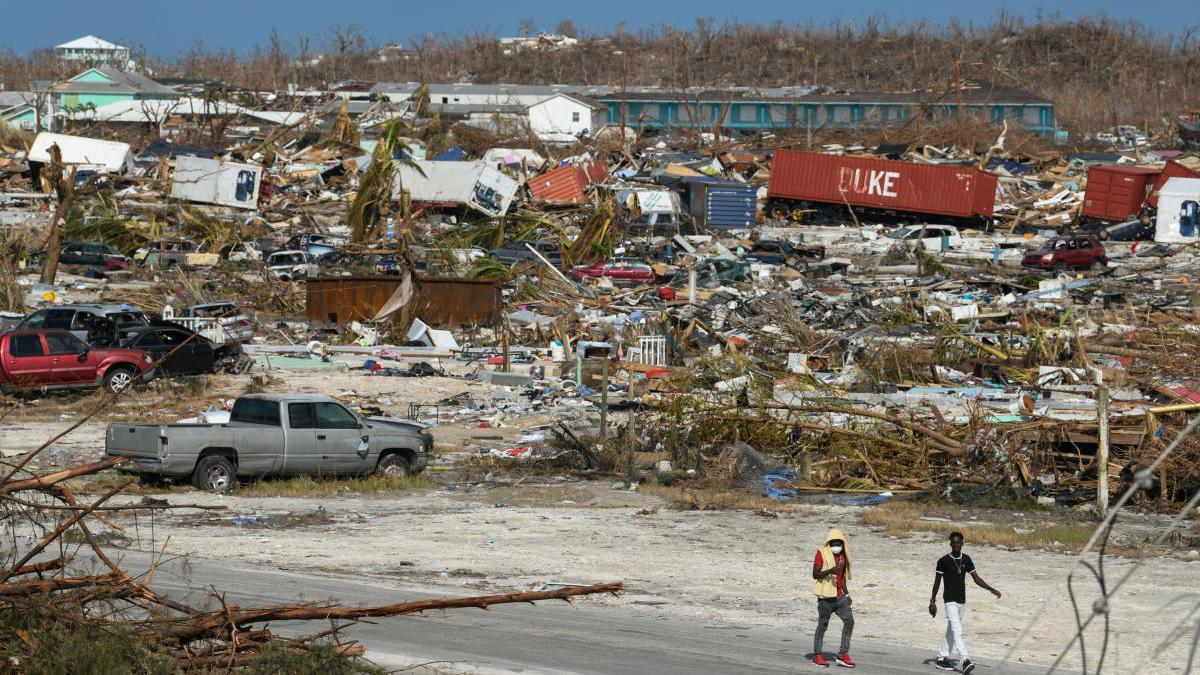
(215, 181)
(473, 184)
(85, 154)
(1178, 219)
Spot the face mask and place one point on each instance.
(835, 549)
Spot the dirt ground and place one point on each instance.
(728, 567)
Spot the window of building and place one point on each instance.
(575, 117)
(780, 116)
(1032, 117)
(841, 114)
(747, 113)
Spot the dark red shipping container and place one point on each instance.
(936, 189)
(1173, 169)
(567, 184)
(1115, 192)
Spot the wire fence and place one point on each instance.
(1102, 607)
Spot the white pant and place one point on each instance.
(954, 631)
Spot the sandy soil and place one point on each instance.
(717, 567)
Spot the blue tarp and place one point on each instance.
(455, 154)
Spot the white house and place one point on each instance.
(90, 49)
(563, 118)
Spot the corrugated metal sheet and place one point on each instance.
(1173, 169)
(567, 184)
(441, 302)
(1116, 192)
(562, 185)
(883, 184)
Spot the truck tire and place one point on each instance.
(778, 210)
(118, 379)
(214, 473)
(393, 466)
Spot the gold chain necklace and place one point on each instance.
(957, 563)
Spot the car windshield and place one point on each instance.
(214, 310)
(899, 233)
(288, 259)
(125, 319)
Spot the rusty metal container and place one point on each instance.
(880, 184)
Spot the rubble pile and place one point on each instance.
(870, 317)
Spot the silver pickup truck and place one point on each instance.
(272, 435)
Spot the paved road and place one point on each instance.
(552, 638)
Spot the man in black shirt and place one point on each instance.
(954, 568)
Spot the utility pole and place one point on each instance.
(604, 397)
(1102, 450)
(624, 91)
(958, 89)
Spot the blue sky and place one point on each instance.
(168, 28)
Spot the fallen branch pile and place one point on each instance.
(43, 592)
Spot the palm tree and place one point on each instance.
(365, 214)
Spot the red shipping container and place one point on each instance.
(935, 189)
(566, 185)
(1116, 192)
(1172, 170)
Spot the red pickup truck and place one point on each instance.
(56, 359)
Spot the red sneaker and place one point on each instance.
(845, 661)
(819, 660)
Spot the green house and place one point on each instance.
(17, 111)
(102, 85)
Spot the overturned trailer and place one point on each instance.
(474, 185)
(216, 181)
(813, 186)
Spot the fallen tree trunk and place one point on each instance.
(213, 623)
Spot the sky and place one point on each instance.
(169, 28)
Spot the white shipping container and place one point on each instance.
(84, 153)
(215, 181)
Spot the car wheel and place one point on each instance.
(117, 380)
(1060, 268)
(1098, 267)
(393, 466)
(214, 473)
